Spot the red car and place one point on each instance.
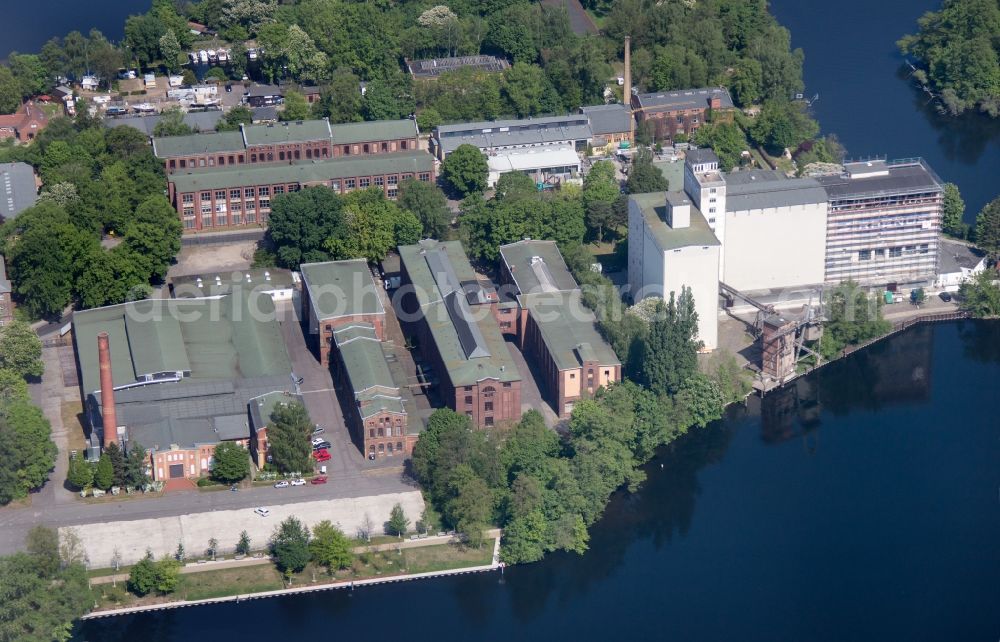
(322, 454)
(318, 480)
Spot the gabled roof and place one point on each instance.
(202, 121)
(467, 339)
(569, 330)
(537, 266)
(684, 99)
(608, 119)
(17, 189)
(363, 359)
(505, 133)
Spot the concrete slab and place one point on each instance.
(161, 535)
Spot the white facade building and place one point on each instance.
(542, 164)
(957, 263)
(671, 246)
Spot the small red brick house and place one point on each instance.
(24, 124)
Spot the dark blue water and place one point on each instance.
(853, 64)
(27, 25)
(860, 504)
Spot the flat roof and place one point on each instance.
(761, 189)
(203, 121)
(525, 160)
(466, 337)
(685, 98)
(350, 133)
(909, 176)
(537, 266)
(341, 288)
(306, 172)
(17, 189)
(654, 209)
(506, 133)
(569, 329)
(221, 283)
(193, 144)
(299, 131)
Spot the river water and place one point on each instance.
(859, 504)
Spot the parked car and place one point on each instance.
(318, 429)
(229, 88)
(281, 484)
(316, 441)
(318, 480)
(945, 296)
(322, 454)
(263, 512)
(322, 444)
(298, 482)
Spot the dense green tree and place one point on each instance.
(27, 453)
(782, 125)
(465, 170)
(239, 115)
(600, 191)
(41, 599)
(136, 461)
(21, 349)
(42, 544)
(295, 107)
(301, 222)
(170, 51)
(153, 233)
(288, 434)
(142, 37)
(243, 545)
(142, 576)
(511, 34)
(374, 225)
(230, 463)
(699, 401)
(290, 546)
(31, 74)
(643, 176)
(981, 295)
(952, 222)
(340, 100)
(853, 316)
(669, 353)
(172, 123)
(726, 140)
(329, 546)
(13, 387)
(104, 472)
(10, 92)
(528, 92)
(956, 50)
(988, 229)
(429, 204)
(398, 524)
(117, 459)
(388, 97)
(525, 538)
(470, 508)
(81, 472)
(745, 83)
(110, 277)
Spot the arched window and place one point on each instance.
(489, 391)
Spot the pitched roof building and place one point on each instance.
(473, 370)
(17, 189)
(431, 68)
(554, 328)
(336, 294)
(24, 124)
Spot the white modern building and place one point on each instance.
(671, 246)
(957, 263)
(544, 165)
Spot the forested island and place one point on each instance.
(957, 55)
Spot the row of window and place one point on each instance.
(385, 449)
(893, 252)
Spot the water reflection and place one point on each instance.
(980, 340)
(962, 139)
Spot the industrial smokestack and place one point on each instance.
(109, 420)
(628, 88)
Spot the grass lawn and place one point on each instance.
(70, 411)
(230, 581)
(446, 556)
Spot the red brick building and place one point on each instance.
(288, 142)
(24, 124)
(669, 113)
(470, 365)
(337, 294)
(542, 307)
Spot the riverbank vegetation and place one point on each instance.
(44, 589)
(957, 53)
(853, 317)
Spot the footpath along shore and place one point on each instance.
(494, 564)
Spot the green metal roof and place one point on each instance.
(449, 337)
(350, 133)
(303, 173)
(537, 266)
(263, 406)
(569, 329)
(654, 208)
(287, 132)
(363, 359)
(223, 339)
(195, 144)
(341, 288)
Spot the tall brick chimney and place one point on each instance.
(109, 418)
(628, 87)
